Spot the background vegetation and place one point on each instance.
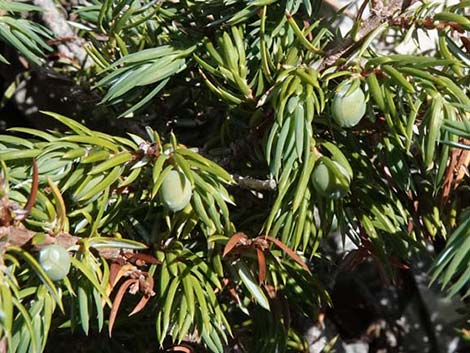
(237, 96)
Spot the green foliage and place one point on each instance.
(452, 264)
(25, 36)
(261, 78)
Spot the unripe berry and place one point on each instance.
(175, 192)
(348, 110)
(327, 184)
(55, 261)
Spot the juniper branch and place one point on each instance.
(380, 13)
(57, 23)
(255, 184)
